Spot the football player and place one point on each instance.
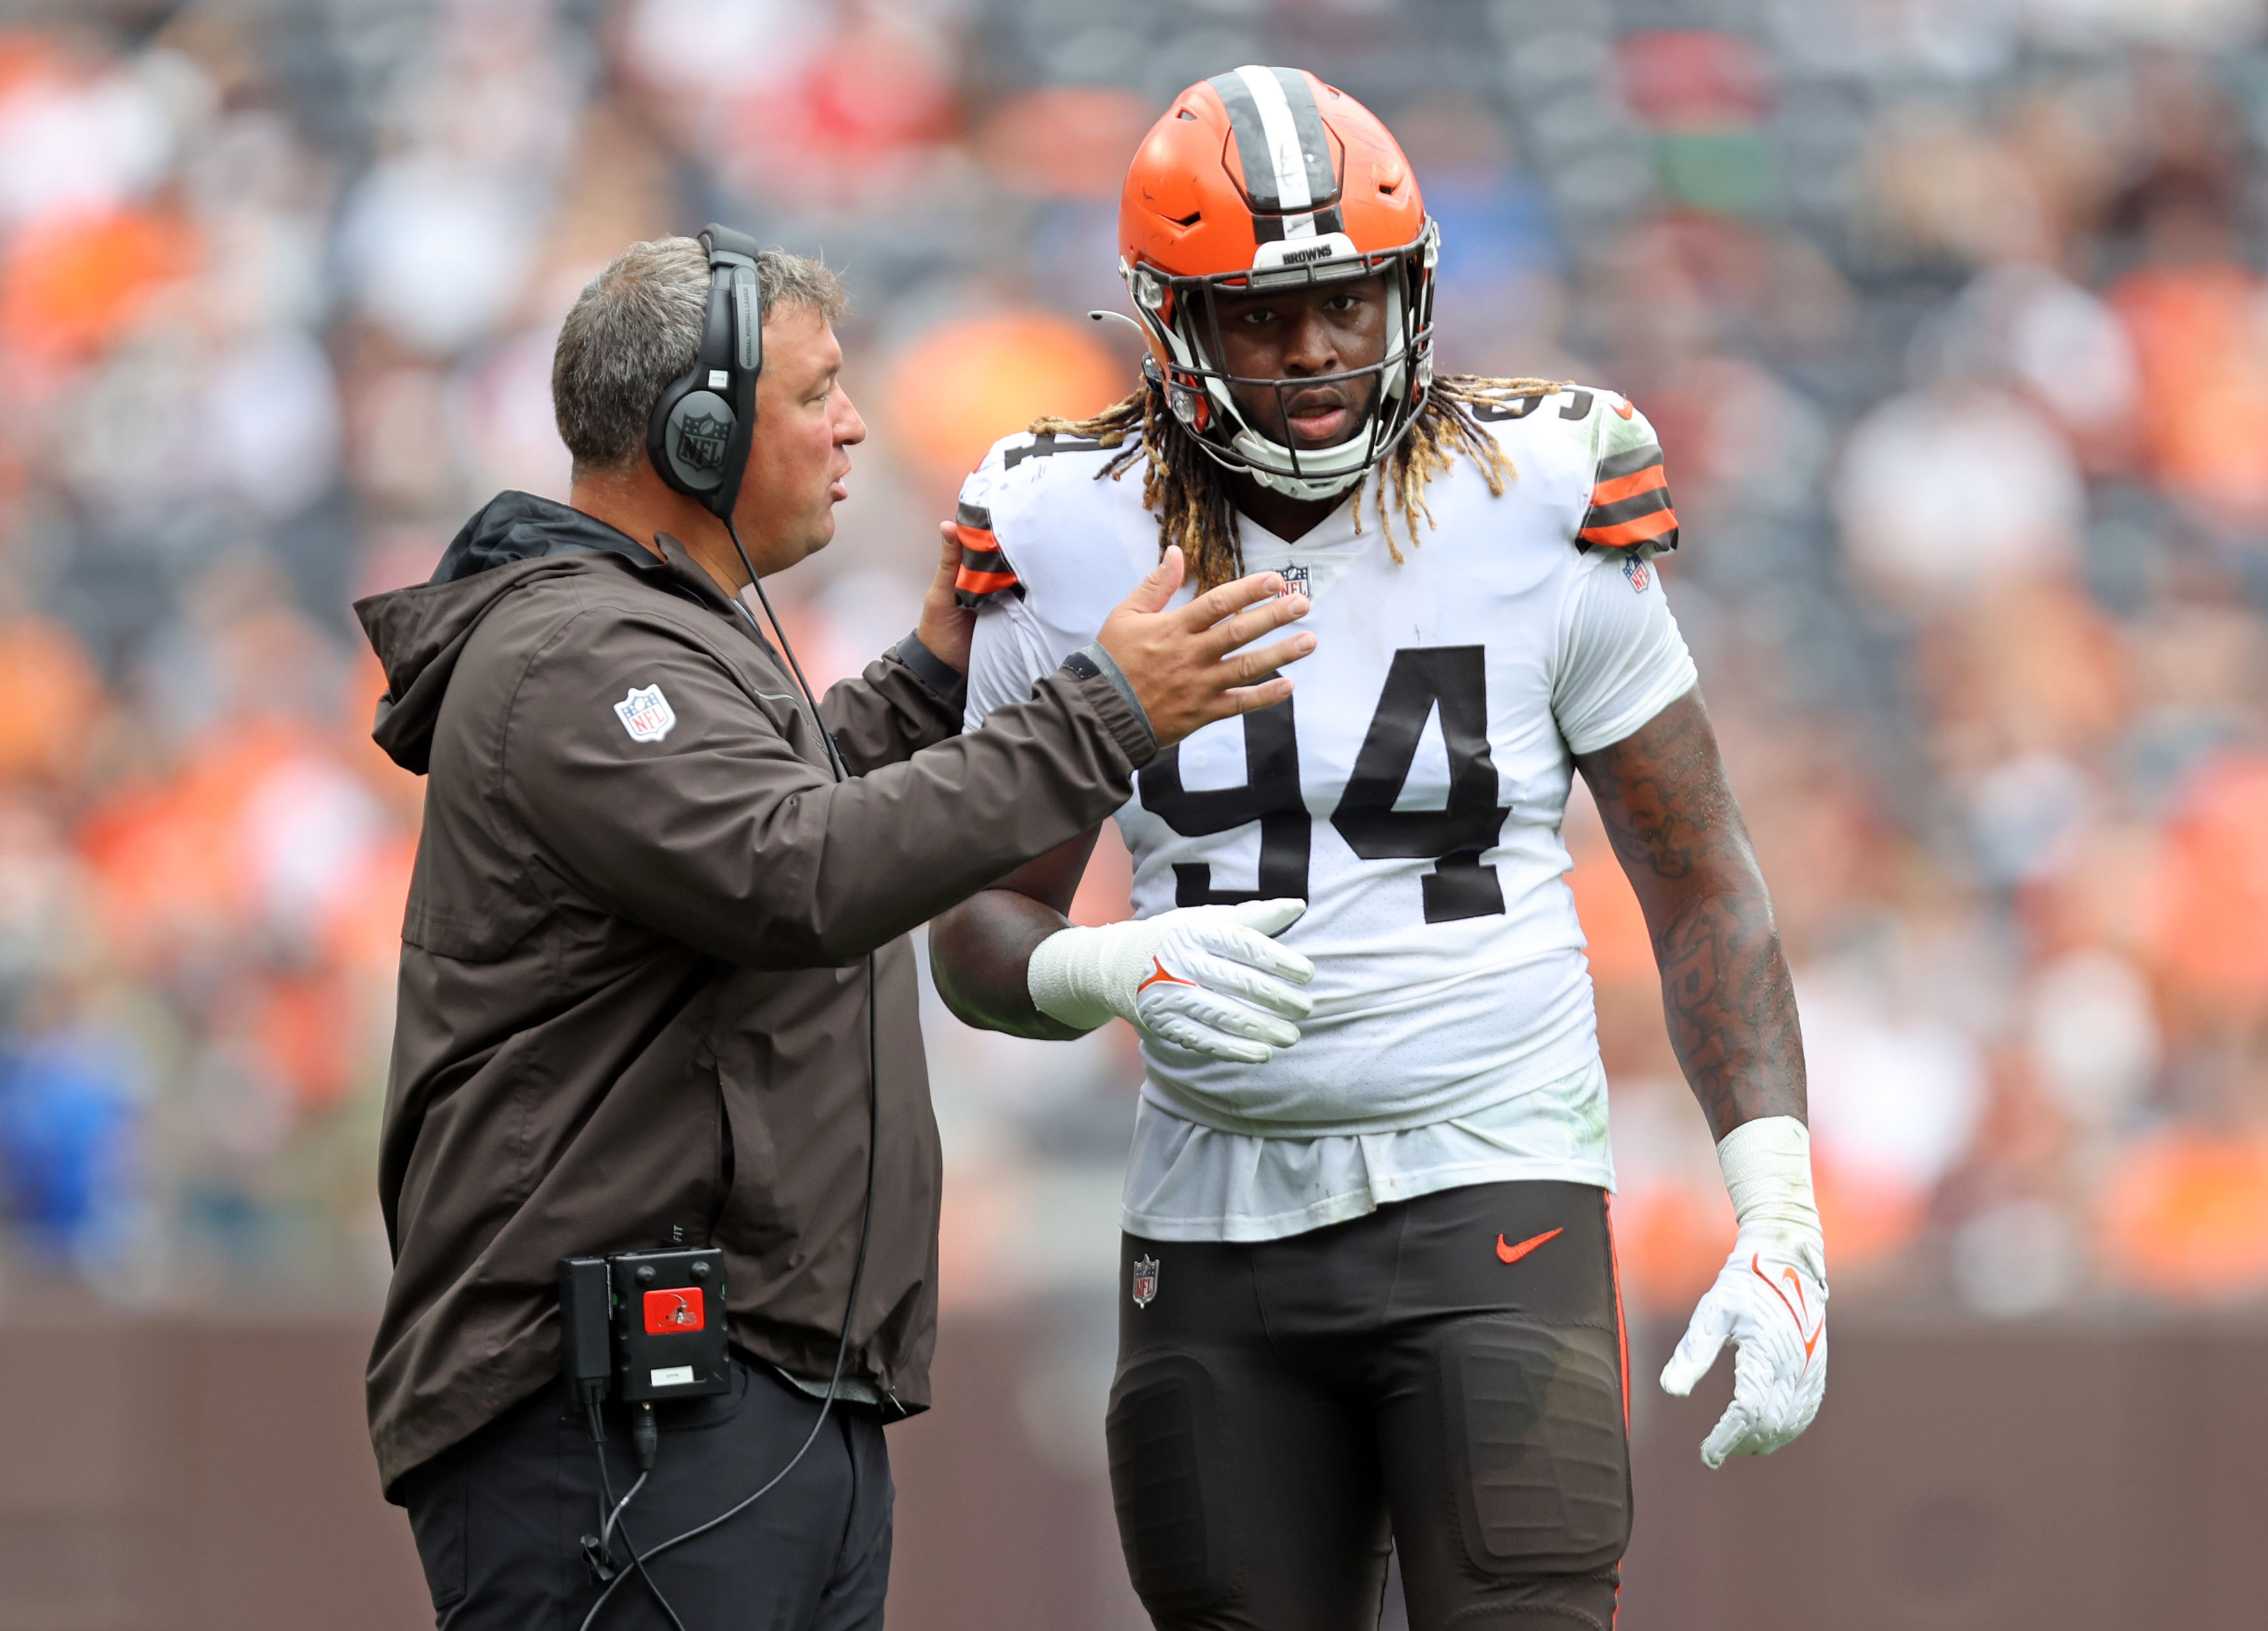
(1367, 1245)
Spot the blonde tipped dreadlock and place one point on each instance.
(1189, 490)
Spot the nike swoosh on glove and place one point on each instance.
(1770, 1300)
(1206, 979)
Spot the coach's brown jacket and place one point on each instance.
(633, 993)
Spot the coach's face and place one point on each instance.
(800, 454)
(1297, 334)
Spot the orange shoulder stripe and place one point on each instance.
(1645, 529)
(1629, 487)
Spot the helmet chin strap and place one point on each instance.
(1302, 487)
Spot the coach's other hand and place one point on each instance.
(1206, 979)
(1178, 662)
(946, 626)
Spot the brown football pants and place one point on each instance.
(1445, 1376)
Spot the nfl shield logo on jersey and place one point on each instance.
(1145, 1280)
(646, 714)
(1638, 571)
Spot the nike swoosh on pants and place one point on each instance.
(1513, 1254)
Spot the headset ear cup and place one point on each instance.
(697, 436)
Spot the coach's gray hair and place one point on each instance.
(637, 326)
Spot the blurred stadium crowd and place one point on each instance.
(1951, 317)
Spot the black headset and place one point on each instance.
(705, 419)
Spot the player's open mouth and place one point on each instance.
(1317, 417)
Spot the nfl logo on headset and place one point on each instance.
(1145, 1280)
(701, 440)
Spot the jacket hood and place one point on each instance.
(419, 632)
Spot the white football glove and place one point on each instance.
(1770, 1299)
(1206, 979)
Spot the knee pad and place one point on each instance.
(1539, 1454)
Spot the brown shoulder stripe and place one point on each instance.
(1631, 460)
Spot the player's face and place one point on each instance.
(800, 456)
(1297, 334)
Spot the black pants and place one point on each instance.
(499, 1518)
(1446, 1374)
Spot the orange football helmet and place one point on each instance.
(1265, 178)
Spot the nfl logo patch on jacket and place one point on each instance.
(646, 714)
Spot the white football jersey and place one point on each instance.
(1410, 791)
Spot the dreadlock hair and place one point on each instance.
(1188, 490)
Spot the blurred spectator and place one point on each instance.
(69, 1119)
(968, 382)
(1946, 490)
(2199, 318)
(2211, 895)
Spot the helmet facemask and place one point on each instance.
(1182, 317)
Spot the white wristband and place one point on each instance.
(1767, 1168)
(1065, 971)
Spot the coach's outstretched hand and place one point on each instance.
(1178, 660)
(1207, 979)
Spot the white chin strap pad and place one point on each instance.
(1300, 486)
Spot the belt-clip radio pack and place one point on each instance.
(649, 1324)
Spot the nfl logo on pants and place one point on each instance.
(1145, 1280)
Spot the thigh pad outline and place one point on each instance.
(1162, 1433)
(1539, 1455)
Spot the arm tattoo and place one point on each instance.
(1724, 987)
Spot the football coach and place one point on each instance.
(655, 983)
